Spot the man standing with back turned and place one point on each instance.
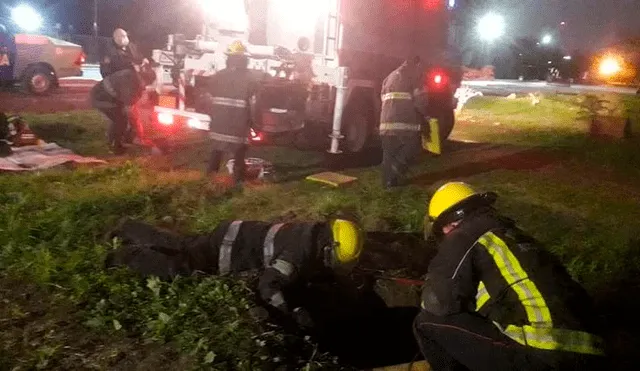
(404, 108)
(229, 93)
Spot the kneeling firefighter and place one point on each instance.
(288, 253)
(494, 299)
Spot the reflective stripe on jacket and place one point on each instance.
(286, 252)
(402, 103)
(228, 105)
(490, 266)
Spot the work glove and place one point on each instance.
(302, 318)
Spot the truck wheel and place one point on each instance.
(39, 80)
(355, 130)
(446, 120)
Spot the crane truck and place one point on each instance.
(320, 64)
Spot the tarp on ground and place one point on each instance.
(40, 157)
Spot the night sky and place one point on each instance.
(589, 23)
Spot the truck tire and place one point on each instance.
(39, 80)
(356, 127)
(446, 120)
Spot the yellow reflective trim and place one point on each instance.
(396, 95)
(534, 304)
(482, 296)
(556, 339)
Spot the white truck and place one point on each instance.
(321, 64)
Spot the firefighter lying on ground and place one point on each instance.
(403, 113)
(287, 253)
(494, 299)
(115, 97)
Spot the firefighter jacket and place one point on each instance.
(404, 103)
(123, 88)
(489, 266)
(284, 253)
(229, 93)
(117, 58)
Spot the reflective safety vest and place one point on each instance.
(402, 102)
(228, 106)
(540, 332)
(226, 246)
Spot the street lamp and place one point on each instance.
(546, 39)
(491, 27)
(26, 18)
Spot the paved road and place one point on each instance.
(506, 87)
(73, 93)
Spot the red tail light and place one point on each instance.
(437, 79)
(80, 60)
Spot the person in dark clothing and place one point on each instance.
(494, 299)
(287, 253)
(403, 113)
(228, 96)
(120, 55)
(115, 95)
(7, 57)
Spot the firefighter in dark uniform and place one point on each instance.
(114, 95)
(404, 109)
(228, 95)
(494, 299)
(287, 253)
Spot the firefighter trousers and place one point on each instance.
(467, 341)
(398, 152)
(239, 166)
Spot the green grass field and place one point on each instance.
(61, 310)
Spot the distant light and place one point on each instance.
(26, 18)
(452, 4)
(491, 27)
(437, 79)
(610, 66)
(549, 62)
(546, 39)
(563, 23)
(567, 57)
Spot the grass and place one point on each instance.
(61, 310)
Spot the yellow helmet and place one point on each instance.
(452, 202)
(348, 241)
(236, 48)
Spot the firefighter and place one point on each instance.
(404, 110)
(494, 299)
(115, 96)
(286, 253)
(228, 94)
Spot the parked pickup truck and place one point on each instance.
(37, 62)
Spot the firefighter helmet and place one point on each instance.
(452, 202)
(236, 48)
(348, 240)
